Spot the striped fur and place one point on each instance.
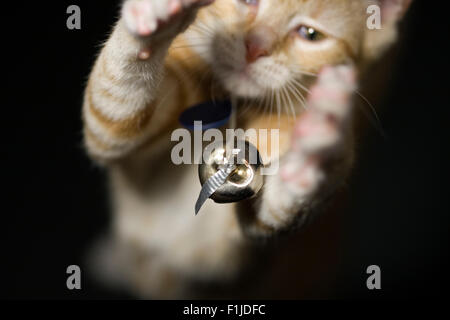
(146, 74)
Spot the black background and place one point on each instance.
(54, 201)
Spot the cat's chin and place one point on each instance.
(243, 88)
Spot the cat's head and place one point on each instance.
(259, 46)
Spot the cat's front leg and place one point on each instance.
(319, 160)
(124, 87)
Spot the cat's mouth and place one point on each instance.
(252, 80)
(241, 82)
(244, 86)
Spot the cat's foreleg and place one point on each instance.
(123, 88)
(319, 159)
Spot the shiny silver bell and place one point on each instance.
(230, 174)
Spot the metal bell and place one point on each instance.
(230, 174)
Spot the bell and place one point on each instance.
(230, 174)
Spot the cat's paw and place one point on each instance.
(144, 18)
(321, 132)
(322, 127)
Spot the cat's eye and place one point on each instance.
(250, 2)
(310, 34)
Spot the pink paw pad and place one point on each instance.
(144, 17)
(320, 131)
(303, 175)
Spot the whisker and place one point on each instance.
(299, 70)
(283, 100)
(297, 94)
(277, 97)
(291, 106)
(297, 82)
(372, 116)
(271, 103)
(374, 119)
(266, 101)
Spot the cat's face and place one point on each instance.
(257, 47)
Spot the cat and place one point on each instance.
(292, 65)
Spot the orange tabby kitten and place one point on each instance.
(292, 63)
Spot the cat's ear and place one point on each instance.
(393, 10)
(379, 39)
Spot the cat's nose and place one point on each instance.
(254, 51)
(258, 43)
